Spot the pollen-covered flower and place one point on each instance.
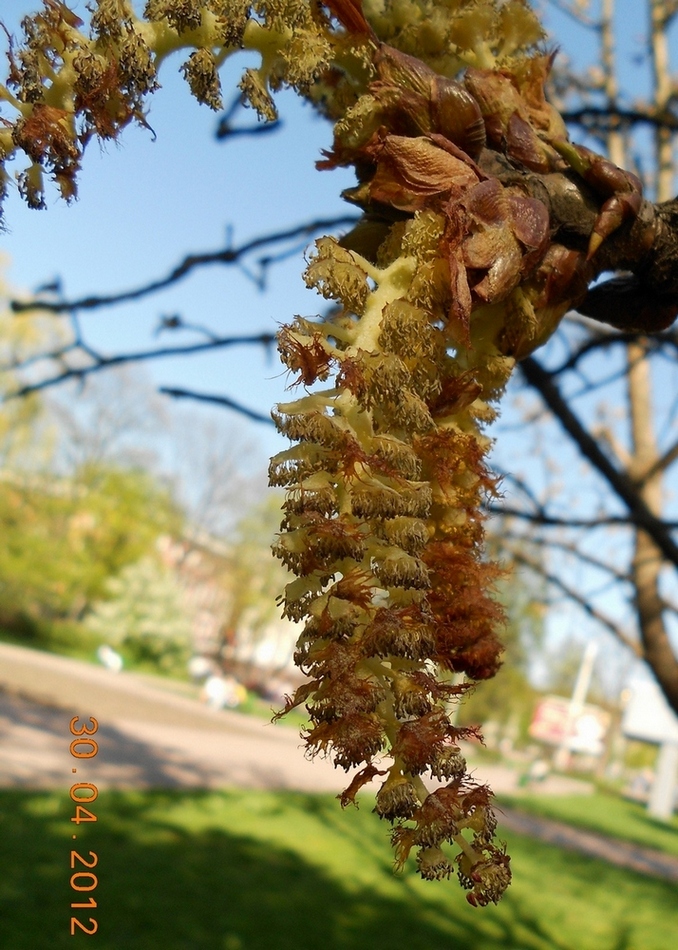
(201, 74)
(397, 798)
(433, 864)
(68, 83)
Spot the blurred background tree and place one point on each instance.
(64, 537)
(145, 616)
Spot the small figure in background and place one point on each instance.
(535, 775)
(219, 691)
(199, 667)
(108, 657)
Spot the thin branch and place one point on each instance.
(662, 463)
(607, 436)
(540, 516)
(79, 344)
(521, 485)
(101, 362)
(641, 515)
(601, 340)
(216, 400)
(591, 386)
(551, 521)
(228, 255)
(603, 118)
(569, 547)
(226, 130)
(576, 15)
(521, 558)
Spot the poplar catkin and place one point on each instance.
(454, 271)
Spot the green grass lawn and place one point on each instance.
(286, 871)
(607, 813)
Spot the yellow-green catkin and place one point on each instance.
(69, 82)
(384, 532)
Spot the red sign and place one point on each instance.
(555, 721)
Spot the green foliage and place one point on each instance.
(64, 537)
(22, 430)
(640, 755)
(64, 637)
(245, 870)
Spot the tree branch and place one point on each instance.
(602, 119)
(538, 566)
(577, 15)
(569, 547)
(550, 521)
(226, 130)
(642, 517)
(101, 362)
(217, 400)
(602, 338)
(228, 255)
(662, 463)
(540, 516)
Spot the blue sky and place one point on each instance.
(145, 202)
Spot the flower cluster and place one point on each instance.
(451, 274)
(450, 35)
(67, 84)
(384, 532)
(457, 268)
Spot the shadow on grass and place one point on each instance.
(669, 828)
(164, 886)
(603, 814)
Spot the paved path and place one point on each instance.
(624, 854)
(150, 737)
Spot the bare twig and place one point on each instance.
(667, 459)
(578, 15)
(570, 547)
(622, 485)
(601, 339)
(574, 595)
(228, 255)
(602, 119)
(226, 130)
(546, 520)
(216, 400)
(100, 362)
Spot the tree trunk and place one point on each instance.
(646, 566)
(647, 561)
